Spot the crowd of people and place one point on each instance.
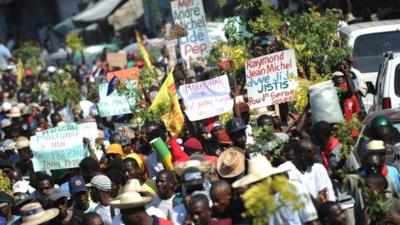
(124, 181)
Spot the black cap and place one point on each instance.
(4, 197)
(192, 176)
(6, 163)
(234, 125)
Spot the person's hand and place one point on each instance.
(393, 218)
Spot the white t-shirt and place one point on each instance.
(315, 179)
(105, 213)
(166, 206)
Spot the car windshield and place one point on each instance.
(368, 49)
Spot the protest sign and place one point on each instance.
(268, 78)
(57, 148)
(195, 46)
(206, 99)
(116, 103)
(88, 129)
(123, 75)
(117, 59)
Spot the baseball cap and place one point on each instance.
(114, 149)
(101, 182)
(234, 125)
(192, 177)
(337, 74)
(76, 184)
(55, 194)
(19, 199)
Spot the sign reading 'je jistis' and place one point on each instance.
(268, 78)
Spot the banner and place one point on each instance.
(116, 103)
(57, 148)
(190, 13)
(206, 99)
(125, 74)
(167, 101)
(268, 78)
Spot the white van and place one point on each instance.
(387, 88)
(370, 40)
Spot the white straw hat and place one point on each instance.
(131, 198)
(14, 112)
(34, 214)
(22, 142)
(375, 145)
(259, 169)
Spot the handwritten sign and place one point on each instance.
(125, 74)
(116, 103)
(57, 148)
(267, 78)
(206, 99)
(195, 46)
(117, 59)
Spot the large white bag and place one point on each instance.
(324, 103)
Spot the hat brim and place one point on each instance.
(252, 178)
(235, 171)
(79, 189)
(237, 129)
(14, 115)
(117, 203)
(47, 216)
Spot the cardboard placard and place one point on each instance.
(195, 46)
(58, 148)
(206, 99)
(117, 59)
(116, 103)
(268, 78)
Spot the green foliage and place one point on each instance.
(63, 89)
(343, 132)
(146, 77)
(266, 141)
(261, 201)
(75, 42)
(375, 207)
(30, 55)
(5, 183)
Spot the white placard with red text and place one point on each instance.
(206, 99)
(195, 46)
(268, 79)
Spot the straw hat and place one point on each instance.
(131, 198)
(375, 145)
(231, 163)
(34, 214)
(22, 142)
(14, 112)
(259, 169)
(350, 18)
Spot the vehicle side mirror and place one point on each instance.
(370, 88)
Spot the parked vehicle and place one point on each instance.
(369, 41)
(363, 138)
(387, 87)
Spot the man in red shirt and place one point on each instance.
(348, 100)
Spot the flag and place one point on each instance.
(167, 101)
(144, 52)
(20, 71)
(112, 85)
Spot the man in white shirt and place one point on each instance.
(100, 191)
(306, 171)
(166, 200)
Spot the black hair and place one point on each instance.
(199, 198)
(323, 129)
(115, 176)
(220, 184)
(89, 216)
(43, 176)
(169, 174)
(378, 179)
(324, 209)
(261, 120)
(290, 145)
(89, 164)
(159, 131)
